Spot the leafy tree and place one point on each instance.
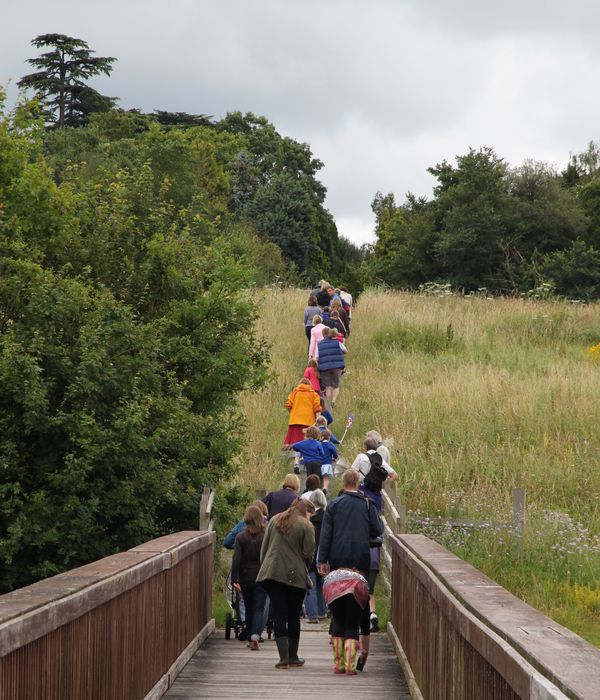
(182, 119)
(542, 217)
(471, 210)
(588, 198)
(125, 335)
(406, 237)
(574, 272)
(60, 79)
(282, 211)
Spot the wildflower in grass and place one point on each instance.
(594, 352)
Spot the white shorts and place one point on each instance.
(326, 470)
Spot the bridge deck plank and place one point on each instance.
(227, 669)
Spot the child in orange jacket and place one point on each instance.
(304, 405)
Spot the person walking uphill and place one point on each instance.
(287, 552)
(278, 501)
(349, 525)
(304, 405)
(244, 569)
(331, 363)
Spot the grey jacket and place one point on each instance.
(286, 557)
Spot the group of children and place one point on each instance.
(317, 452)
(327, 316)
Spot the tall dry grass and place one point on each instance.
(478, 396)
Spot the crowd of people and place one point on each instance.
(296, 553)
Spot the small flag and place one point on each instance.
(348, 425)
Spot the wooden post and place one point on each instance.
(401, 519)
(392, 490)
(519, 509)
(204, 517)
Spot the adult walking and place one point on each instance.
(316, 336)
(373, 471)
(304, 405)
(347, 299)
(349, 525)
(323, 294)
(244, 570)
(331, 363)
(314, 603)
(310, 311)
(381, 448)
(287, 551)
(279, 501)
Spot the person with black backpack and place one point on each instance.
(373, 471)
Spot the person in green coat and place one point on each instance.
(286, 554)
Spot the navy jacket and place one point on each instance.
(330, 355)
(348, 525)
(278, 501)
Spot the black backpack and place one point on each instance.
(377, 474)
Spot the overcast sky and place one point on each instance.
(381, 90)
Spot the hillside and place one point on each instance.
(479, 396)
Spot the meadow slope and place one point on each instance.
(479, 396)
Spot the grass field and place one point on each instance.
(479, 396)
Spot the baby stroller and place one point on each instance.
(235, 620)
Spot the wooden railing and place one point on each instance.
(461, 636)
(118, 629)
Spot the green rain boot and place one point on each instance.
(294, 659)
(283, 648)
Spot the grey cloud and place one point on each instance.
(381, 90)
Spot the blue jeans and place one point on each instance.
(314, 603)
(255, 598)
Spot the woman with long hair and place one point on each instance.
(244, 569)
(287, 552)
(314, 603)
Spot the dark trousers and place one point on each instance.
(308, 330)
(255, 598)
(286, 605)
(313, 468)
(347, 614)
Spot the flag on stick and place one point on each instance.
(349, 423)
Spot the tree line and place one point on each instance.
(508, 230)
(129, 247)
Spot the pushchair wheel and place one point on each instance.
(228, 625)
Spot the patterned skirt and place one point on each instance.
(341, 582)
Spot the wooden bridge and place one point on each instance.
(138, 626)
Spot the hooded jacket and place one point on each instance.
(303, 404)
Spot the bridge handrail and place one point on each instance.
(120, 627)
(456, 627)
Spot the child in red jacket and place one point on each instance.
(312, 374)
